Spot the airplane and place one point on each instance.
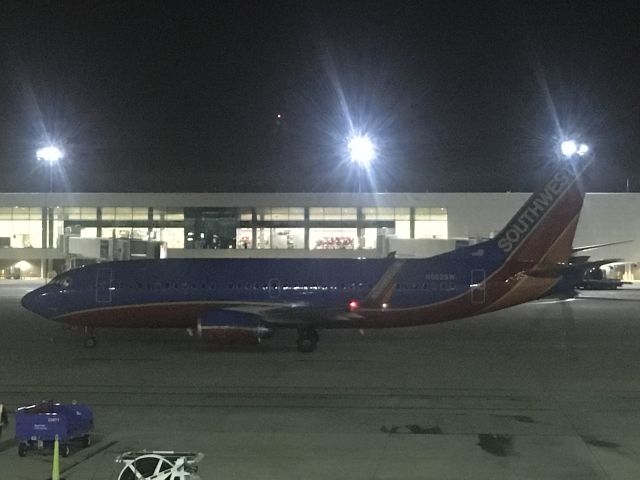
(234, 301)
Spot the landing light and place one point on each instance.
(353, 305)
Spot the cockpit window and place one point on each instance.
(63, 281)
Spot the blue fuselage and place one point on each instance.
(116, 289)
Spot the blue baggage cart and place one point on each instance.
(38, 425)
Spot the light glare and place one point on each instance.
(49, 154)
(568, 148)
(583, 149)
(362, 150)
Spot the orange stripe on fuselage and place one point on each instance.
(529, 288)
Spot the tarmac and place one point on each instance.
(547, 390)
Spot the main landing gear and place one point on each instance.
(307, 339)
(90, 339)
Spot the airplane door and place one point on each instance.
(103, 285)
(477, 286)
(274, 288)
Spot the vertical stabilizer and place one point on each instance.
(539, 238)
(544, 227)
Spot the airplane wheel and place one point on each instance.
(86, 441)
(22, 449)
(90, 342)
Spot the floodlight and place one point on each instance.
(362, 150)
(568, 148)
(583, 149)
(49, 154)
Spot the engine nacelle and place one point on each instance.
(229, 327)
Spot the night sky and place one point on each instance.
(261, 96)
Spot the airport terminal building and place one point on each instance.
(36, 228)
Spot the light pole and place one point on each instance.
(51, 155)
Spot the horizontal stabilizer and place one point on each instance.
(599, 245)
(561, 269)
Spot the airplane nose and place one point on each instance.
(32, 300)
(27, 301)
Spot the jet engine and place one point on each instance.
(231, 327)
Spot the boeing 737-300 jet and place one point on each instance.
(245, 300)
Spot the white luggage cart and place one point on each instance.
(159, 465)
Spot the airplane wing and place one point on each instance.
(569, 276)
(566, 269)
(383, 289)
(286, 314)
(302, 314)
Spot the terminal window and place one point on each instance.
(431, 223)
(332, 213)
(22, 226)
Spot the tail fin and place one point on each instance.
(543, 229)
(538, 239)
